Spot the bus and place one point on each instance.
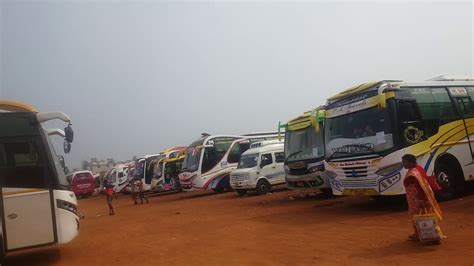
(304, 152)
(118, 177)
(167, 169)
(144, 169)
(210, 159)
(37, 207)
(371, 126)
(82, 183)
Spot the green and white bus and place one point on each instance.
(371, 126)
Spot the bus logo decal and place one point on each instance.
(354, 173)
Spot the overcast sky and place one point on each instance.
(138, 77)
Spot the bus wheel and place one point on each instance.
(450, 179)
(2, 250)
(263, 187)
(327, 192)
(218, 189)
(241, 192)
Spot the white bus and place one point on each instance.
(118, 177)
(371, 126)
(144, 170)
(210, 159)
(36, 206)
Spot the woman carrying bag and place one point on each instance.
(422, 204)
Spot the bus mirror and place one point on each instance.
(382, 101)
(61, 161)
(69, 133)
(69, 136)
(280, 126)
(316, 118)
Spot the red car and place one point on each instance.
(82, 183)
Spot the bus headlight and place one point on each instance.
(68, 206)
(331, 174)
(336, 185)
(387, 182)
(390, 170)
(317, 168)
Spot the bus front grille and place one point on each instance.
(356, 183)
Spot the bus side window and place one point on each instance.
(22, 168)
(408, 112)
(436, 108)
(411, 124)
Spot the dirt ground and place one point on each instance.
(282, 228)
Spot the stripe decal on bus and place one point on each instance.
(26, 191)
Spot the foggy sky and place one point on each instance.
(139, 77)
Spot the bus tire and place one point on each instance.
(327, 192)
(450, 178)
(218, 189)
(263, 187)
(241, 192)
(2, 250)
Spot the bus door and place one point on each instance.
(466, 110)
(26, 202)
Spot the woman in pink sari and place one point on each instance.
(420, 197)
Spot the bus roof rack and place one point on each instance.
(266, 133)
(360, 88)
(265, 143)
(451, 78)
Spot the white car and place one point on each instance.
(259, 168)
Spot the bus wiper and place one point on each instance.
(337, 152)
(293, 154)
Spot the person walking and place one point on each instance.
(109, 193)
(137, 190)
(420, 196)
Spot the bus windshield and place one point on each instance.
(213, 155)
(193, 156)
(158, 171)
(173, 168)
(364, 132)
(303, 144)
(24, 155)
(59, 168)
(140, 169)
(248, 161)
